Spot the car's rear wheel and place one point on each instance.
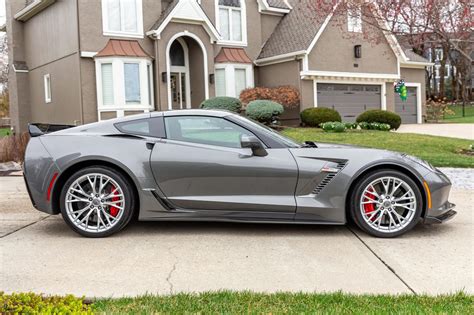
(97, 201)
(386, 203)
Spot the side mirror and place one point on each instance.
(252, 142)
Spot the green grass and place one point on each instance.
(439, 151)
(288, 303)
(4, 132)
(457, 117)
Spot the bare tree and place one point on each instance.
(447, 24)
(4, 66)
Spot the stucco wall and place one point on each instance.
(65, 107)
(334, 51)
(89, 91)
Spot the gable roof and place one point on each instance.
(123, 48)
(184, 10)
(297, 30)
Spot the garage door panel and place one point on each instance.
(407, 109)
(349, 100)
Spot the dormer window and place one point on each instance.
(354, 20)
(231, 21)
(122, 18)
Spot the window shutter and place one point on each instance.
(220, 82)
(107, 84)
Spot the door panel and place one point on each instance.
(349, 100)
(407, 109)
(207, 177)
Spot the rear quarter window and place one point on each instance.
(149, 127)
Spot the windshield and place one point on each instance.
(272, 133)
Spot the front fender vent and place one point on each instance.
(329, 177)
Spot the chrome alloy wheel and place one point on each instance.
(95, 202)
(388, 204)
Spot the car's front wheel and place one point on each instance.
(386, 203)
(97, 201)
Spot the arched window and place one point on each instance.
(231, 20)
(177, 54)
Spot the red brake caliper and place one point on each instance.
(114, 210)
(369, 207)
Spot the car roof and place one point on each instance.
(193, 112)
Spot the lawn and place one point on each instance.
(4, 132)
(457, 117)
(439, 151)
(292, 303)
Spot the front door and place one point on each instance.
(178, 90)
(201, 166)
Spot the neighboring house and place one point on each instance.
(79, 61)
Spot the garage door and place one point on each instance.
(407, 109)
(349, 99)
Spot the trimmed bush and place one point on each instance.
(313, 117)
(333, 126)
(351, 125)
(364, 125)
(288, 96)
(264, 111)
(374, 126)
(30, 303)
(223, 102)
(380, 116)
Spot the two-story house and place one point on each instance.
(79, 61)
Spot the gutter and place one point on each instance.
(32, 9)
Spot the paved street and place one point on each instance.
(40, 253)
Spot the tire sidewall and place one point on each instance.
(356, 213)
(121, 181)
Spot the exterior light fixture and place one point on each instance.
(357, 51)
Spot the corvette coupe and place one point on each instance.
(205, 165)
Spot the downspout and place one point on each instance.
(79, 63)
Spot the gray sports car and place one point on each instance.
(219, 166)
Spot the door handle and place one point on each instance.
(150, 145)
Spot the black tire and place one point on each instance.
(356, 211)
(128, 194)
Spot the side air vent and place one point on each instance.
(328, 178)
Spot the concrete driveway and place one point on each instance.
(462, 131)
(40, 253)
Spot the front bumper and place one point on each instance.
(441, 209)
(446, 213)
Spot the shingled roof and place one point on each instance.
(280, 4)
(294, 32)
(164, 14)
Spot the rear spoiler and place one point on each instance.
(39, 129)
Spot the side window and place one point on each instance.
(150, 127)
(205, 130)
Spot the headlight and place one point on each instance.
(421, 162)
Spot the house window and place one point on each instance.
(132, 82)
(124, 84)
(122, 18)
(231, 79)
(47, 88)
(354, 20)
(107, 84)
(231, 21)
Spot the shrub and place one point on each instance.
(437, 109)
(333, 126)
(287, 96)
(374, 126)
(350, 125)
(264, 111)
(313, 117)
(30, 303)
(12, 148)
(364, 125)
(384, 127)
(223, 102)
(380, 116)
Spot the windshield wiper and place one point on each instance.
(309, 144)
